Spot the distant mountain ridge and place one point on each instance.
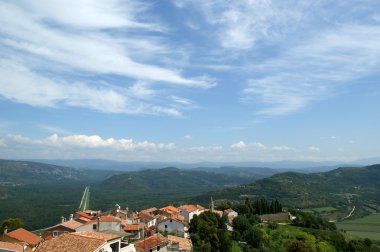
(304, 166)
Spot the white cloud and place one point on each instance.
(188, 137)
(43, 44)
(314, 149)
(282, 148)
(315, 69)
(242, 24)
(239, 145)
(205, 148)
(181, 100)
(2, 143)
(92, 141)
(243, 145)
(21, 85)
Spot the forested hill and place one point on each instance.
(24, 172)
(159, 186)
(253, 173)
(171, 179)
(335, 188)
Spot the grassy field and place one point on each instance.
(324, 209)
(366, 227)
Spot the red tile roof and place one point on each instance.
(150, 242)
(106, 218)
(24, 236)
(188, 208)
(11, 247)
(145, 217)
(192, 208)
(170, 209)
(228, 211)
(132, 228)
(70, 243)
(96, 235)
(183, 242)
(71, 224)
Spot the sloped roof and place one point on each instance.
(107, 218)
(227, 211)
(150, 242)
(97, 235)
(70, 242)
(71, 224)
(183, 242)
(191, 208)
(145, 217)
(24, 236)
(132, 227)
(11, 247)
(170, 209)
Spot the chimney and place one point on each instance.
(62, 219)
(98, 224)
(5, 229)
(71, 216)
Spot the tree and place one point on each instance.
(208, 232)
(241, 224)
(299, 246)
(11, 224)
(253, 236)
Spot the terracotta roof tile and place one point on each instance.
(183, 242)
(189, 208)
(69, 243)
(71, 224)
(11, 246)
(96, 235)
(24, 236)
(150, 242)
(132, 228)
(170, 209)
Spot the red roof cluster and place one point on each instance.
(24, 236)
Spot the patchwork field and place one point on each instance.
(366, 227)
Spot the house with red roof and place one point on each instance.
(153, 243)
(109, 224)
(173, 226)
(136, 231)
(189, 211)
(22, 236)
(61, 228)
(11, 247)
(86, 241)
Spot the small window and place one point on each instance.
(55, 233)
(94, 227)
(171, 220)
(166, 226)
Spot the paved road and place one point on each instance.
(85, 202)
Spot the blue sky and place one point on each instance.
(190, 81)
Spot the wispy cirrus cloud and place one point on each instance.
(54, 45)
(316, 69)
(293, 54)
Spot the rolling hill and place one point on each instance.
(158, 186)
(341, 188)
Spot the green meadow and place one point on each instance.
(366, 227)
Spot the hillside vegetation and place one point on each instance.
(25, 172)
(338, 189)
(158, 186)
